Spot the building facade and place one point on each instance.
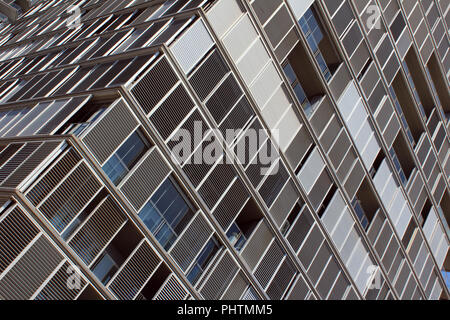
(120, 178)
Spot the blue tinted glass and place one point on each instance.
(164, 213)
(304, 25)
(150, 216)
(115, 169)
(131, 149)
(290, 74)
(300, 93)
(105, 268)
(194, 274)
(318, 35)
(118, 165)
(312, 43)
(166, 236)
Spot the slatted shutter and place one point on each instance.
(73, 194)
(209, 74)
(98, 230)
(256, 245)
(155, 85)
(53, 177)
(17, 159)
(231, 204)
(145, 179)
(171, 290)
(171, 113)
(219, 278)
(57, 287)
(190, 47)
(30, 164)
(281, 280)
(134, 274)
(16, 232)
(110, 131)
(224, 98)
(236, 287)
(216, 183)
(269, 263)
(30, 271)
(191, 242)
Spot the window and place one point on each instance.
(167, 213)
(121, 162)
(296, 86)
(203, 260)
(244, 225)
(360, 213)
(117, 252)
(105, 268)
(311, 28)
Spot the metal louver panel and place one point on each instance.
(135, 272)
(111, 130)
(16, 232)
(53, 177)
(238, 117)
(281, 280)
(269, 263)
(216, 183)
(191, 242)
(208, 75)
(9, 151)
(250, 295)
(194, 122)
(144, 181)
(72, 195)
(61, 117)
(192, 46)
(224, 98)
(231, 204)
(29, 165)
(236, 287)
(155, 85)
(220, 277)
(273, 184)
(171, 113)
(171, 290)
(196, 172)
(17, 159)
(98, 230)
(300, 229)
(57, 288)
(256, 245)
(33, 268)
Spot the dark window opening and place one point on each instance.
(115, 254)
(327, 201)
(424, 213)
(320, 43)
(244, 225)
(155, 282)
(295, 212)
(365, 204)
